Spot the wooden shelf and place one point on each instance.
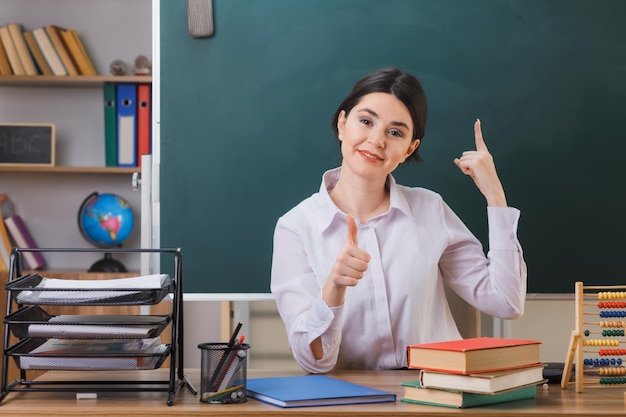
(69, 170)
(69, 81)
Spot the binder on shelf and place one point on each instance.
(16, 31)
(144, 106)
(5, 66)
(23, 239)
(54, 33)
(46, 46)
(110, 125)
(127, 125)
(14, 59)
(37, 53)
(77, 52)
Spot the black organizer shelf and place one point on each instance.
(27, 319)
(34, 321)
(85, 361)
(27, 290)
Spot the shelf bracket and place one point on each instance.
(136, 181)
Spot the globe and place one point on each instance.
(105, 221)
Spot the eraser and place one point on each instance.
(86, 395)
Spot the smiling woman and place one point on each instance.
(360, 268)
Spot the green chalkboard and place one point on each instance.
(245, 122)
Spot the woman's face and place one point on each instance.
(376, 135)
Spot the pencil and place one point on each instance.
(222, 362)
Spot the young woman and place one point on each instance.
(358, 268)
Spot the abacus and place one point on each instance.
(597, 345)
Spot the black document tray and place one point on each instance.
(33, 321)
(76, 361)
(25, 290)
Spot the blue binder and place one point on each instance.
(127, 125)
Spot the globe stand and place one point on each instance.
(107, 264)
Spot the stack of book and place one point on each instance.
(47, 50)
(473, 372)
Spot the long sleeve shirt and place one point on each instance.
(416, 246)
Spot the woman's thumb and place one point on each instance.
(351, 239)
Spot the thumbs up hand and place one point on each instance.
(480, 167)
(350, 266)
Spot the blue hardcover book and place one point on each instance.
(127, 125)
(313, 390)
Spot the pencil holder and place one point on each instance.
(223, 373)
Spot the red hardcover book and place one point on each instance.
(473, 355)
(143, 121)
(23, 239)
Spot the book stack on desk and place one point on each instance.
(473, 372)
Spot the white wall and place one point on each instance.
(548, 320)
(211, 321)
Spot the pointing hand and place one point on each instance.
(480, 167)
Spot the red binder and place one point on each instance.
(144, 121)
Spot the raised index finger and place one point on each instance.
(478, 135)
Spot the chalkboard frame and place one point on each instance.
(30, 159)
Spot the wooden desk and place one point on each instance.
(551, 402)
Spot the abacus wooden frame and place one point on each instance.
(575, 353)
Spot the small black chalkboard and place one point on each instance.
(26, 144)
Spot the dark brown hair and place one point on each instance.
(398, 83)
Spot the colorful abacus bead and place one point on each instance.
(611, 352)
(613, 381)
(607, 314)
(619, 324)
(600, 342)
(613, 332)
(611, 371)
(611, 295)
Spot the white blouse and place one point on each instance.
(415, 246)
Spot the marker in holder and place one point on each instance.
(223, 372)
